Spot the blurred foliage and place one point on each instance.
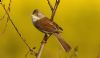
(80, 20)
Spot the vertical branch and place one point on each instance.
(46, 36)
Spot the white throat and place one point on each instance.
(35, 18)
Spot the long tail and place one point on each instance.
(65, 45)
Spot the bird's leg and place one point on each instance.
(46, 38)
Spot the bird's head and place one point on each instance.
(37, 15)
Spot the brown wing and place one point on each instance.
(45, 25)
(58, 26)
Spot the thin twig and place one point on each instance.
(5, 27)
(3, 17)
(4, 14)
(50, 5)
(17, 29)
(54, 10)
(8, 10)
(9, 6)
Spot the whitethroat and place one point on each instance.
(42, 23)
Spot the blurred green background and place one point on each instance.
(80, 20)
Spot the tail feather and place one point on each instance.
(65, 45)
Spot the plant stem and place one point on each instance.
(46, 36)
(17, 29)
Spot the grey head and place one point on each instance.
(37, 15)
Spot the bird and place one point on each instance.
(45, 25)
